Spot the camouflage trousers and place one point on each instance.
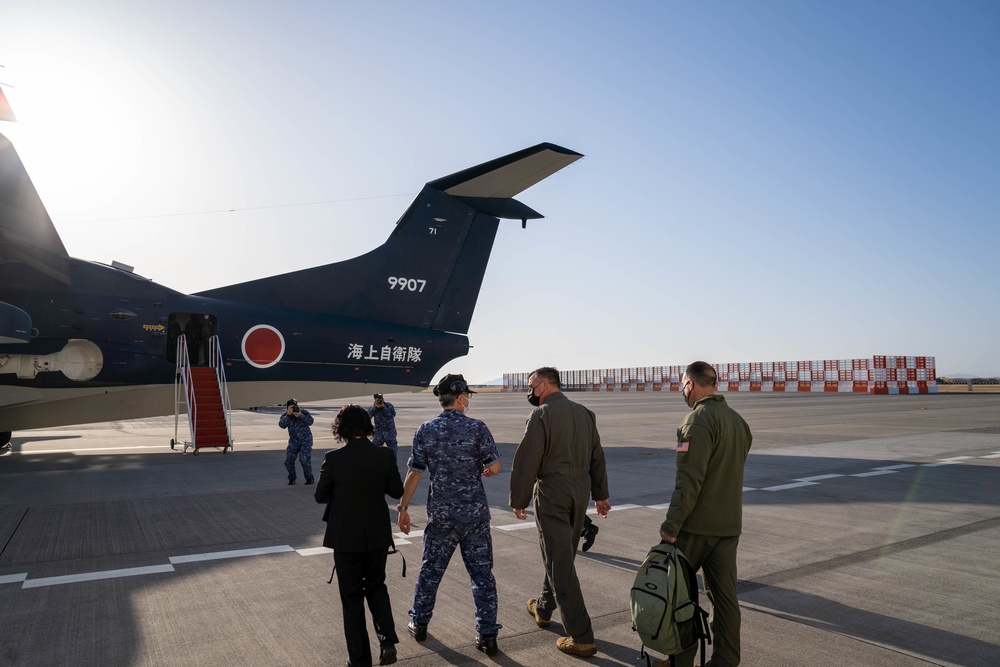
(302, 452)
(476, 545)
(378, 440)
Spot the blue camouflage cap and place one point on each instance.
(452, 384)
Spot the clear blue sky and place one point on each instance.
(763, 181)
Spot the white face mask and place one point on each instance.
(466, 403)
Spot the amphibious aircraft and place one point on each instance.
(85, 342)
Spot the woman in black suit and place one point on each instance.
(353, 483)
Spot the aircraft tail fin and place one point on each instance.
(429, 272)
(26, 230)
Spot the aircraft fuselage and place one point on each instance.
(127, 320)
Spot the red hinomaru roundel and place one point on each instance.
(263, 346)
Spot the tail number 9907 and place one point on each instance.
(407, 284)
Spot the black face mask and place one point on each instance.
(534, 400)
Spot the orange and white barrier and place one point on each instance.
(880, 374)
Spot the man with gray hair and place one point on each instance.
(560, 463)
(458, 451)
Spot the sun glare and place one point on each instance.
(79, 127)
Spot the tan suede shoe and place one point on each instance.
(567, 645)
(539, 621)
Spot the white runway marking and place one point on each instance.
(413, 533)
(816, 478)
(93, 576)
(314, 551)
(782, 487)
(883, 470)
(13, 578)
(238, 553)
(516, 526)
(947, 462)
(29, 452)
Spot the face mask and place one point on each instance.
(466, 405)
(686, 397)
(534, 400)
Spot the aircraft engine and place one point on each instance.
(79, 360)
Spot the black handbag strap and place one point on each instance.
(392, 550)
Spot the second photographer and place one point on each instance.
(384, 418)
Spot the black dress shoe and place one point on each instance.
(387, 656)
(419, 632)
(589, 535)
(308, 482)
(291, 482)
(487, 645)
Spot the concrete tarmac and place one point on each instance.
(871, 537)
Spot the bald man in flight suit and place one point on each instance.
(705, 517)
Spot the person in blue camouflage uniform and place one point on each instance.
(300, 440)
(384, 418)
(458, 451)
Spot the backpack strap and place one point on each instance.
(643, 654)
(701, 624)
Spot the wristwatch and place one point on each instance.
(401, 508)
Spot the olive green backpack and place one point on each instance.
(664, 601)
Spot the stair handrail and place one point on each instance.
(214, 360)
(184, 390)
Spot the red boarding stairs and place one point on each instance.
(202, 389)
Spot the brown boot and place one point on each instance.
(567, 645)
(533, 610)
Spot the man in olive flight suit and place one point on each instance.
(560, 463)
(705, 517)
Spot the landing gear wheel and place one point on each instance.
(225, 450)
(172, 443)
(195, 451)
(5, 439)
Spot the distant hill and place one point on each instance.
(492, 383)
(959, 376)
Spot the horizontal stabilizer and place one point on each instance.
(505, 209)
(508, 176)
